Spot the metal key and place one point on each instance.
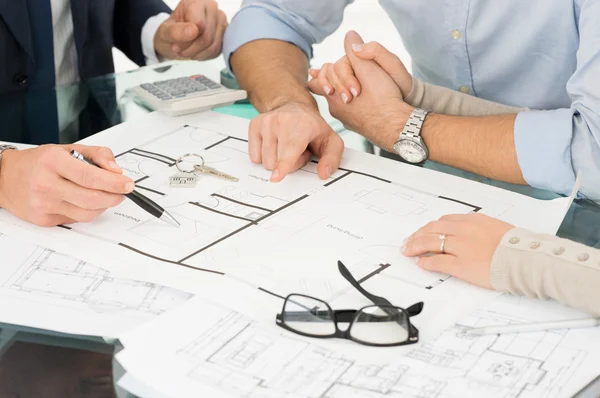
(212, 171)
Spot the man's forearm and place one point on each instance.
(482, 145)
(273, 72)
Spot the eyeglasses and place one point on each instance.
(379, 325)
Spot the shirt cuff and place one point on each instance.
(543, 144)
(148, 33)
(255, 23)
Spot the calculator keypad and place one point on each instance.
(181, 87)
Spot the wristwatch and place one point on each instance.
(410, 145)
(5, 148)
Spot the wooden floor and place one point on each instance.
(32, 371)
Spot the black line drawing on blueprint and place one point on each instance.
(46, 273)
(417, 277)
(215, 211)
(243, 358)
(248, 361)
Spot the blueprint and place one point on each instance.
(225, 353)
(44, 289)
(278, 238)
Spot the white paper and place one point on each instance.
(43, 289)
(281, 238)
(223, 352)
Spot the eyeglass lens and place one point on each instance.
(308, 315)
(380, 325)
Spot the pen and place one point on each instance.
(142, 201)
(536, 327)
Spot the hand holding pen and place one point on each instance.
(142, 201)
(47, 186)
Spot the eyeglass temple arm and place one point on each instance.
(413, 310)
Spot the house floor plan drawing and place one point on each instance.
(232, 354)
(53, 282)
(215, 211)
(221, 221)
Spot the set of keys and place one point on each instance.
(187, 177)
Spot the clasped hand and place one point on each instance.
(193, 31)
(365, 90)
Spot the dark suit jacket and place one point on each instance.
(99, 26)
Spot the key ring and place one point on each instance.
(180, 159)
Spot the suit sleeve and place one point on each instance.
(129, 19)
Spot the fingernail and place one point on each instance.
(357, 47)
(189, 31)
(113, 165)
(327, 90)
(176, 49)
(328, 171)
(403, 249)
(275, 174)
(345, 98)
(417, 260)
(354, 92)
(129, 187)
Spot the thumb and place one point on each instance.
(288, 165)
(351, 41)
(330, 152)
(181, 32)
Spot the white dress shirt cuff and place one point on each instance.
(148, 33)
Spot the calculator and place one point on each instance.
(186, 95)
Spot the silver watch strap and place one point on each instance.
(412, 128)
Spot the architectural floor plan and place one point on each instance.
(75, 291)
(230, 353)
(221, 220)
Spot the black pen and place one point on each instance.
(142, 201)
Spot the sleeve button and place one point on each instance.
(583, 257)
(534, 245)
(558, 251)
(514, 240)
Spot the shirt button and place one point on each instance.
(20, 79)
(464, 89)
(514, 240)
(558, 251)
(456, 34)
(583, 257)
(534, 245)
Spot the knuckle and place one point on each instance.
(89, 178)
(91, 200)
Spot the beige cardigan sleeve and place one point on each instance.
(449, 102)
(547, 267)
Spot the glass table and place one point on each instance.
(55, 363)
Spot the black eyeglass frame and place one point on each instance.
(350, 316)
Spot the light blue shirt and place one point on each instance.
(539, 54)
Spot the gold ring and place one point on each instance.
(443, 243)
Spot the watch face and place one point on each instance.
(411, 151)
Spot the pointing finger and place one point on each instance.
(331, 151)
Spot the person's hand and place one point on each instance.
(194, 30)
(340, 79)
(48, 187)
(379, 112)
(284, 139)
(471, 241)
